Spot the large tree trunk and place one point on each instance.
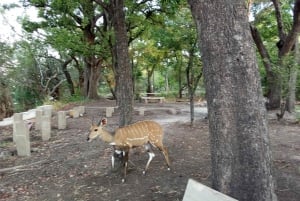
(124, 85)
(91, 78)
(93, 64)
(274, 90)
(150, 84)
(240, 146)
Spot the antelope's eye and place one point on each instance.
(96, 129)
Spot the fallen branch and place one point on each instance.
(20, 167)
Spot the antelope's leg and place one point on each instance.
(165, 153)
(126, 157)
(113, 158)
(116, 153)
(113, 161)
(151, 156)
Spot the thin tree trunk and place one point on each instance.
(273, 77)
(293, 73)
(240, 145)
(192, 81)
(291, 97)
(87, 75)
(81, 76)
(150, 82)
(68, 76)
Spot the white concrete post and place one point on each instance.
(141, 111)
(74, 113)
(46, 127)
(109, 111)
(48, 110)
(38, 118)
(172, 110)
(16, 118)
(62, 121)
(22, 139)
(81, 110)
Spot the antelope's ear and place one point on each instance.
(103, 122)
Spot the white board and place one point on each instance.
(196, 191)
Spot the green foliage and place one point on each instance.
(164, 46)
(26, 98)
(161, 33)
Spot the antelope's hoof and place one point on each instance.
(123, 180)
(144, 172)
(169, 168)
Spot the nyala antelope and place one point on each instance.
(143, 133)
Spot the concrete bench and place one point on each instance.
(141, 110)
(147, 98)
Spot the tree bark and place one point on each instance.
(240, 146)
(273, 77)
(293, 74)
(91, 77)
(192, 81)
(81, 77)
(68, 76)
(124, 85)
(150, 84)
(6, 103)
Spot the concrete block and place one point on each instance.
(22, 139)
(46, 127)
(74, 113)
(81, 110)
(17, 117)
(62, 121)
(141, 111)
(172, 111)
(109, 111)
(38, 118)
(48, 109)
(196, 191)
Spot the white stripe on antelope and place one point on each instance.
(135, 135)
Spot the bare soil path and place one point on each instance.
(68, 168)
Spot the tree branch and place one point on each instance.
(261, 48)
(21, 167)
(280, 25)
(56, 86)
(102, 4)
(292, 36)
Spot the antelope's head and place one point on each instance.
(96, 130)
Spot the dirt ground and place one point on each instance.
(68, 168)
